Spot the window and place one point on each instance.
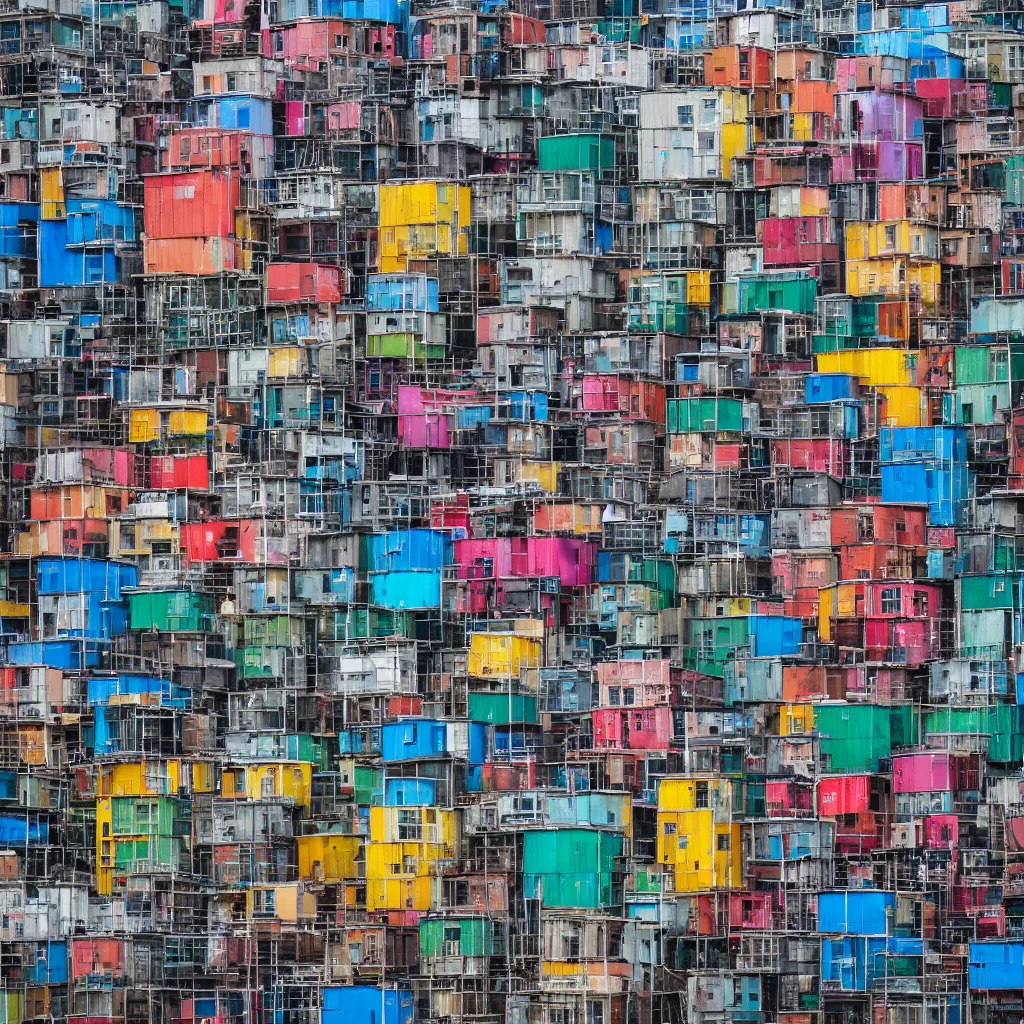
(670, 828)
(724, 841)
(891, 601)
(890, 236)
(684, 114)
(614, 696)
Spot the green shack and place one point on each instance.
(988, 604)
(573, 868)
(503, 709)
(150, 833)
(786, 290)
(171, 611)
(997, 730)
(576, 153)
(456, 936)
(713, 642)
(368, 786)
(704, 415)
(854, 737)
(846, 322)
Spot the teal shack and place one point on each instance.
(573, 868)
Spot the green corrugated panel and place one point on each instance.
(854, 736)
(502, 709)
(401, 346)
(1014, 180)
(158, 852)
(368, 785)
(795, 292)
(134, 816)
(571, 867)
(456, 936)
(168, 611)
(275, 630)
(576, 152)
(715, 641)
(695, 415)
(659, 571)
(1001, 725)
(975, 364)
(995, 590)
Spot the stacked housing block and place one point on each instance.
(511, 512)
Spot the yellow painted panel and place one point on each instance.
(144, 426)
(501, 655)
(280, 781)
(399, 894)
(895, 277)
(704, 854)
(202, 777)
(105, 846)
(876, 366)
(187, 421)
(734, 144)
(415, 824)
(328, 858)
(796, 720)
(51, 184)
(681, 794)
(420, 219)
(286, 362)
(123, 780)
(403, 860)
(561, 968)
(698, 287)
(902, 407)
(544, 474)
(826, 609)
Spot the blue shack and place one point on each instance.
(927, 464)
(856, 912)
(996, 965)
(82, 248)
(855, 963)
(73, 655)
(366, 1004)
(49, 965)
(829, 387)
(414, 739)
(416, 792)
(19, 225)
(85, 575)
(82, 597)
(415, 292)
(26, 828)
(405, 567)
(774, 635)
(101, 689)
